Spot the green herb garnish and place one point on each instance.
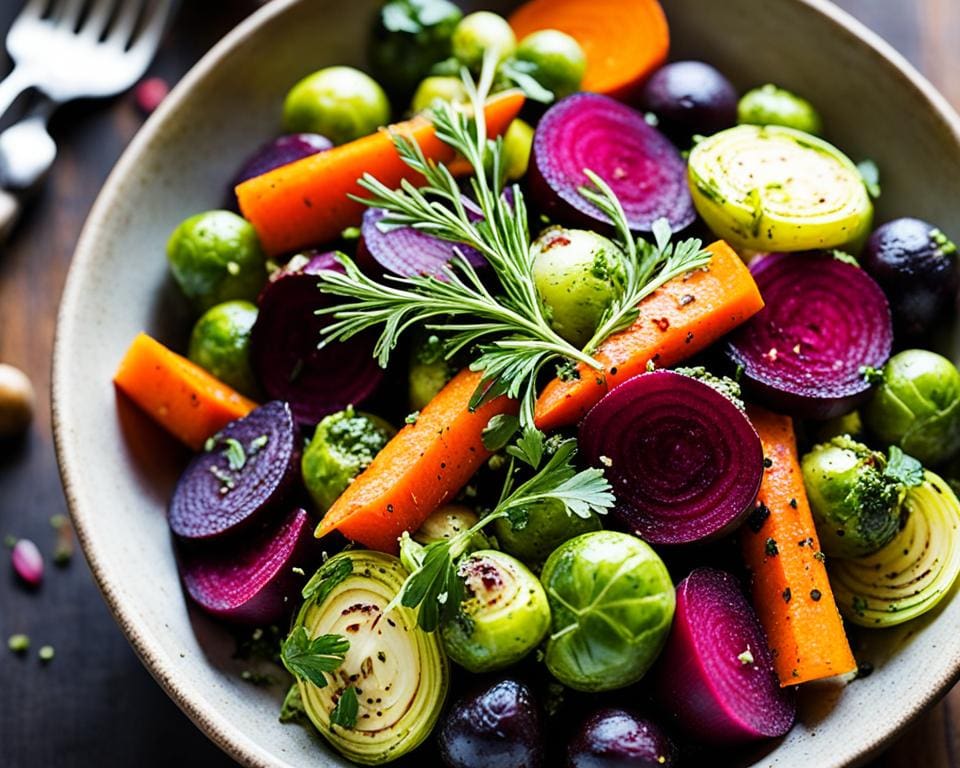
(345, 712)
(311, 659)
(236, 456)
(903, 468)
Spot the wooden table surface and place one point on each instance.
(94, 704)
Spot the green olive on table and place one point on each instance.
(917, 405)
(341, 103)
(578, 274)
(220, 344)
(481, 32)
(343, 445)
(504, 617)
(215, 257)
(770, 105)
(558, 61)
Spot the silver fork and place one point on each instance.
(81, 48)
(68, 49)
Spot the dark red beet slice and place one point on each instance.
(250, 468)
(251, 581)
(824, 320)
(590, 131)
(283, 344)
(715, 674)
(685, 463)
(406, 252)
(281, 151)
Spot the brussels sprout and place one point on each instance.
(342, 447)
(220, 344)
(917, 405)
(850, 424)
(341, 103)
(612, 602)
(558, 62)
(215, 257)
(480, 32)
(770, 105)
(438, 89)
(504, 617)
(429, 371)
(396, 675)
(449, 521)
(548, 526)
(409, 37)
(578, 274)
(856, 495)
(517, 145)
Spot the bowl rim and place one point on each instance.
(217, 727)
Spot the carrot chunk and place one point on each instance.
(685, 316)
(179, 395)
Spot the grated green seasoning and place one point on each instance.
(18, 643)
(46, 653)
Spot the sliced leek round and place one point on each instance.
(913, 572)
(399, 673)
(771, 188)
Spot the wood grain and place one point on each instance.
(95, 704)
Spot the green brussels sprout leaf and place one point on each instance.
(325, 580)
(903, 468)
(311, 659)
(292, 710)
(871, 177)
(347, 709)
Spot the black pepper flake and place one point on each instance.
(771, 548)
(815, 595)
(689, 337)
(613, 371)
(767, 463)
(793, 503)
(786, 595)
(390, 508)
(758, 517)
(820, 557)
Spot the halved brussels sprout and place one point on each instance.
(504, 617)
(429, 371)
(343, 445)
(917, 405)
(612, 602)
(449, 521)
(398, 673)
(855, 495)
(914, 572)
(770, 188)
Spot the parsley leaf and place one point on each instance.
(499, 431)
(529, 448)
(309, 659)
(903, 468)
(292, 710)
(328, 576)
(236, 457)
(347, 709)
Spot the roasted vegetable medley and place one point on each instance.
(579, 416)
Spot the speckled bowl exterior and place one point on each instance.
(118, 469)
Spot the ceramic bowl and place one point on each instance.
(118, 469)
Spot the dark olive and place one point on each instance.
(690, 97)
(915, 264)
(618, 738)
(496, 727)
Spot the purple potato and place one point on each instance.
(690, 97)
(496, 727)
(916, 265)
(618, 738)
(247, 471)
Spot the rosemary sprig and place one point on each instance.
(510, 331)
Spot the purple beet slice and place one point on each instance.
(684, 461)
(281, 151)
(251, 580)
(590, 131)
(250, 467)
(406, 251)
(715, 675)
(287, 361)
(824, 320)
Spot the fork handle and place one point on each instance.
(12, 86)
(10, 208)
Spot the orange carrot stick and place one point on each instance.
(686, 315)
(420, 469)
(791, 591)
(179, 395)
(305, 203)
(624, 40)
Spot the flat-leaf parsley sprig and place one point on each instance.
(437, 589)
(510, 331)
